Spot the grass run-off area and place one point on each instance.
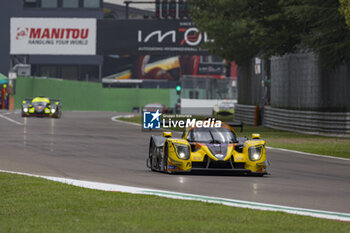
(29, 204)
(333, 146)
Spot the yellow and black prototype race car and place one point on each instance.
(208, 149)
(41, 107)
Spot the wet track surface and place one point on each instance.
(90, 146)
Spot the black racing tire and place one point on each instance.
(152, 147)
(58, 114)
(165, 164)
(165, 158)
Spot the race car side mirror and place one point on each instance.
(255, 136)
(167, 134)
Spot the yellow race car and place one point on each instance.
(208, 149)
(41, 107)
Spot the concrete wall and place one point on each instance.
(298, 82)
(77, 95)
(248, 84)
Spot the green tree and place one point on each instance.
(345, 10)
(324, 30)
(241, 29)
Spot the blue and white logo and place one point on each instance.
(151, 120)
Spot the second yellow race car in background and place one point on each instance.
(208, 149)
(41, 107)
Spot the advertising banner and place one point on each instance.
(161, 37)
(53, 36)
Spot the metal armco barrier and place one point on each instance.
(309, 122)
(245, 113)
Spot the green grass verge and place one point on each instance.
(333, 146)
(30, 204)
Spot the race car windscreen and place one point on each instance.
(39, 104)
(211, 135)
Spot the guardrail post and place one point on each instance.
(256, 116)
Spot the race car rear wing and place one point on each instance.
(51, 100)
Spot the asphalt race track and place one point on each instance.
(90, 146)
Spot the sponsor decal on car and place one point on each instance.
(239, 158)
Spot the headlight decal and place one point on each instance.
(255, 152)
(182, 151)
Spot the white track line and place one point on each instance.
(185, 196)
(311, 154)
(11, 120)
(115, 119)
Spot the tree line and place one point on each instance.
(243, 29)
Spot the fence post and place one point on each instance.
(256, 116)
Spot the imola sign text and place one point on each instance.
(191, 36)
